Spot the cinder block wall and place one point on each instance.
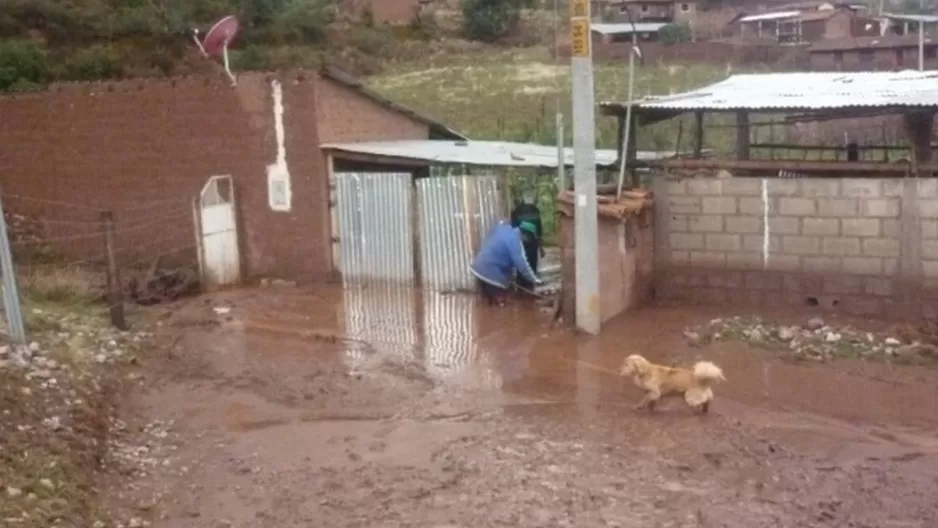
(866, 246)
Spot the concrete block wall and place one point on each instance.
(855, 244)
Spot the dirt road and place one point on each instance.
(439, 413)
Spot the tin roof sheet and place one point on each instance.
(626, 28)
(770, 16)
(480, 153)
(804, 91)
(927, 19)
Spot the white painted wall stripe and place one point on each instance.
(279, 193)
(765, 223)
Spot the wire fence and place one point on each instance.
(79, 254)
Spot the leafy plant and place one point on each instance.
(491, 20)
(675, 33)
(22, 63)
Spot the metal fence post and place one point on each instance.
(11, 295)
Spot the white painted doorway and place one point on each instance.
(219, 258)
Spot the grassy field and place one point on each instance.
(514, 96)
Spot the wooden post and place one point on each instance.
(114, 286)
(742, 135)
(632, 151)
(698, 134)
(414, 221)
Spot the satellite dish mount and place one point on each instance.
(216, 41)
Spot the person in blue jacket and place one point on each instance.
(501, 253)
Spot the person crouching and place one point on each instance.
(501, 253)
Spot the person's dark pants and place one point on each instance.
(532, 252)
(492, 293)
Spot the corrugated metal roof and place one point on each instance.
(626, 28)
(804, 91)
(770, 16)
(480, 153)
(859, 43)
(928, 19)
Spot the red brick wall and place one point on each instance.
(144, 149)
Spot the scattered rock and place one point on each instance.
(817, 342)
(786, 333)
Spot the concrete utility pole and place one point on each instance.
(586, 236)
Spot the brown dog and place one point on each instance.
(659, 381)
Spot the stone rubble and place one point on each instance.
(79, 352)
(815, 341)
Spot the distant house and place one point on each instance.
(899, 24)
(890, 52)
(798, 27)
(392, 12)
(664, 11)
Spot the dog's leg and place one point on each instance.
(705, 408)
(649, 400)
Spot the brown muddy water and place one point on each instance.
(376, 406)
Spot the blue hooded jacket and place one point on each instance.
(501, 253)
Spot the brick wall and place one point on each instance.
(144, 148)
(861, 245)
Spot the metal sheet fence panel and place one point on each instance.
(374, 234)
(451, 208)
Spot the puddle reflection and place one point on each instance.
(450, 335)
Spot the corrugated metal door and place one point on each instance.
(374, 229)
(456, 212)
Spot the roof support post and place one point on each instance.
(698, 134)
(742, 135)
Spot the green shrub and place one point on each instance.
(23, 63)
(491, 20)
(675, 33)
(96, 62)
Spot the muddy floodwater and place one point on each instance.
(385, 407)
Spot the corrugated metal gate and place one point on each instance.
(456, 212)
(374, 226)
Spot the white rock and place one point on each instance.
(832, 337)
(4, 350)
(815, 323)
(892, 341)
(14, 492)
(34, 347)
(100, 358)
(136, 522)
(786, 333)
(46, 483)
(54, 423)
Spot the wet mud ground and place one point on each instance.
(439, 412)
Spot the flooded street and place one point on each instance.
(384, 407)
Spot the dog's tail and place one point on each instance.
(707, 373)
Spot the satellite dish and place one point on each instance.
(217, 39)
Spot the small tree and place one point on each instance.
(674, 34)
(22, 63)
(491, 20)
